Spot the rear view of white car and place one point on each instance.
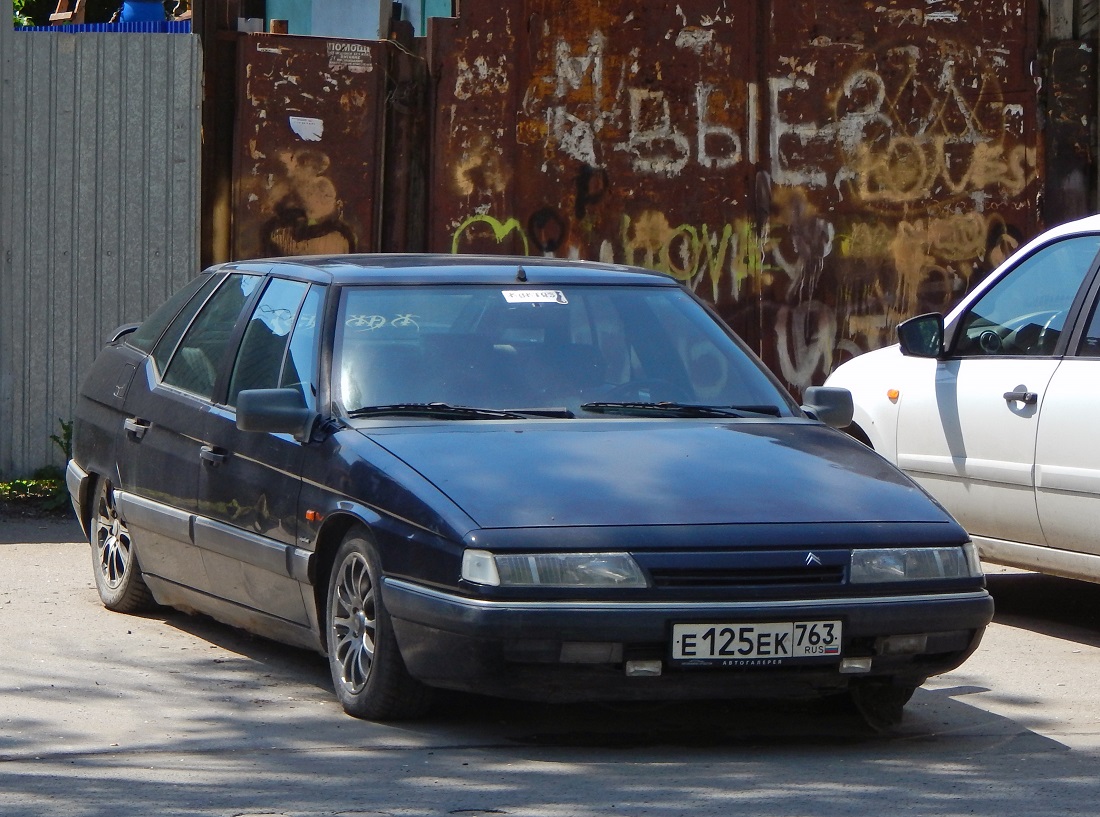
(993, 408)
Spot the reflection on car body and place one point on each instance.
(991, 407)
(522, 477)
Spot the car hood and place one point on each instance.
(662, 472)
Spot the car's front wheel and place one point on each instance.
(369, 676)
(117, 574)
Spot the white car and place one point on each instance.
(994, 409)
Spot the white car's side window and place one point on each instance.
(1025, 312)
(1090, 341)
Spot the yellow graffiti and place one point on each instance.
(909, 169)
(689, 253)
(866, 241)
(740, 259)
(501, 230)
(480, 169)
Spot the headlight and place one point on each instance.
(914, 564)
(551, 569)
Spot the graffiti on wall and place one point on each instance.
(818, 191)
(735, 265)
(306, 156)
(307, 211)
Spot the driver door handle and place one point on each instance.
(211, 456)
(136, 427)
(1028, 398)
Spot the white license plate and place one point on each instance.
(774, 641)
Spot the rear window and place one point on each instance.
(146, 336)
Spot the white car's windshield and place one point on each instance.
(580, 348)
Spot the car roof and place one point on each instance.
(390, 268)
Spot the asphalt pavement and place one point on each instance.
(170, 714)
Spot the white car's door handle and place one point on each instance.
(1028, 398)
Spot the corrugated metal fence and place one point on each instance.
(99, 192)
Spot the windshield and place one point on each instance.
(522, 348)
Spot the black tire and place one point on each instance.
(114, 562)
(368, 673)
(881, 703)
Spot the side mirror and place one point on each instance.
(276, 411)
(922, 336)
(832, 406)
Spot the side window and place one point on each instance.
(162, 352)
(260, 359)
(301, 358)
(193, 367)
(1090, 343)
(153, 327)
(1025, 312)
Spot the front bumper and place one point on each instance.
(580, 650)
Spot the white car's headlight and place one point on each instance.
(914, 564)
(551, 569)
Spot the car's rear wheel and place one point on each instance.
(881, 703)
(117, 573)
(369, 676)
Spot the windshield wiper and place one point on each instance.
(441, 411)
(668, 409)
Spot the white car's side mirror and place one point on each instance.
(922, 336)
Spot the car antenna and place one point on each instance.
(521, 275)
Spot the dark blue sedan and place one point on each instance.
(522, 477)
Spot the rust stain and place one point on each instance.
(307, 162)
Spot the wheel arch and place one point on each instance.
(81, 491)
(333, 531)
(85, 491)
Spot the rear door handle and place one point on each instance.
(211, 456)
(136, 427)
(1028, 398)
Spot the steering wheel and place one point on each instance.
(1032, 333)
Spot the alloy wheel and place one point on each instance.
(354, 622)
(112, 541)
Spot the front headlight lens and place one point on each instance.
(551, 569)
(914, 564)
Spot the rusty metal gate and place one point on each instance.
(819, 171)
(313, 116)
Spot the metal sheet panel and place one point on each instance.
(1070, 179)
(579, 131)
(819, 171)
(308, 145)
(903, 166)
(99, 195)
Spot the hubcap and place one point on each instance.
(112, 542)
(354, 623)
